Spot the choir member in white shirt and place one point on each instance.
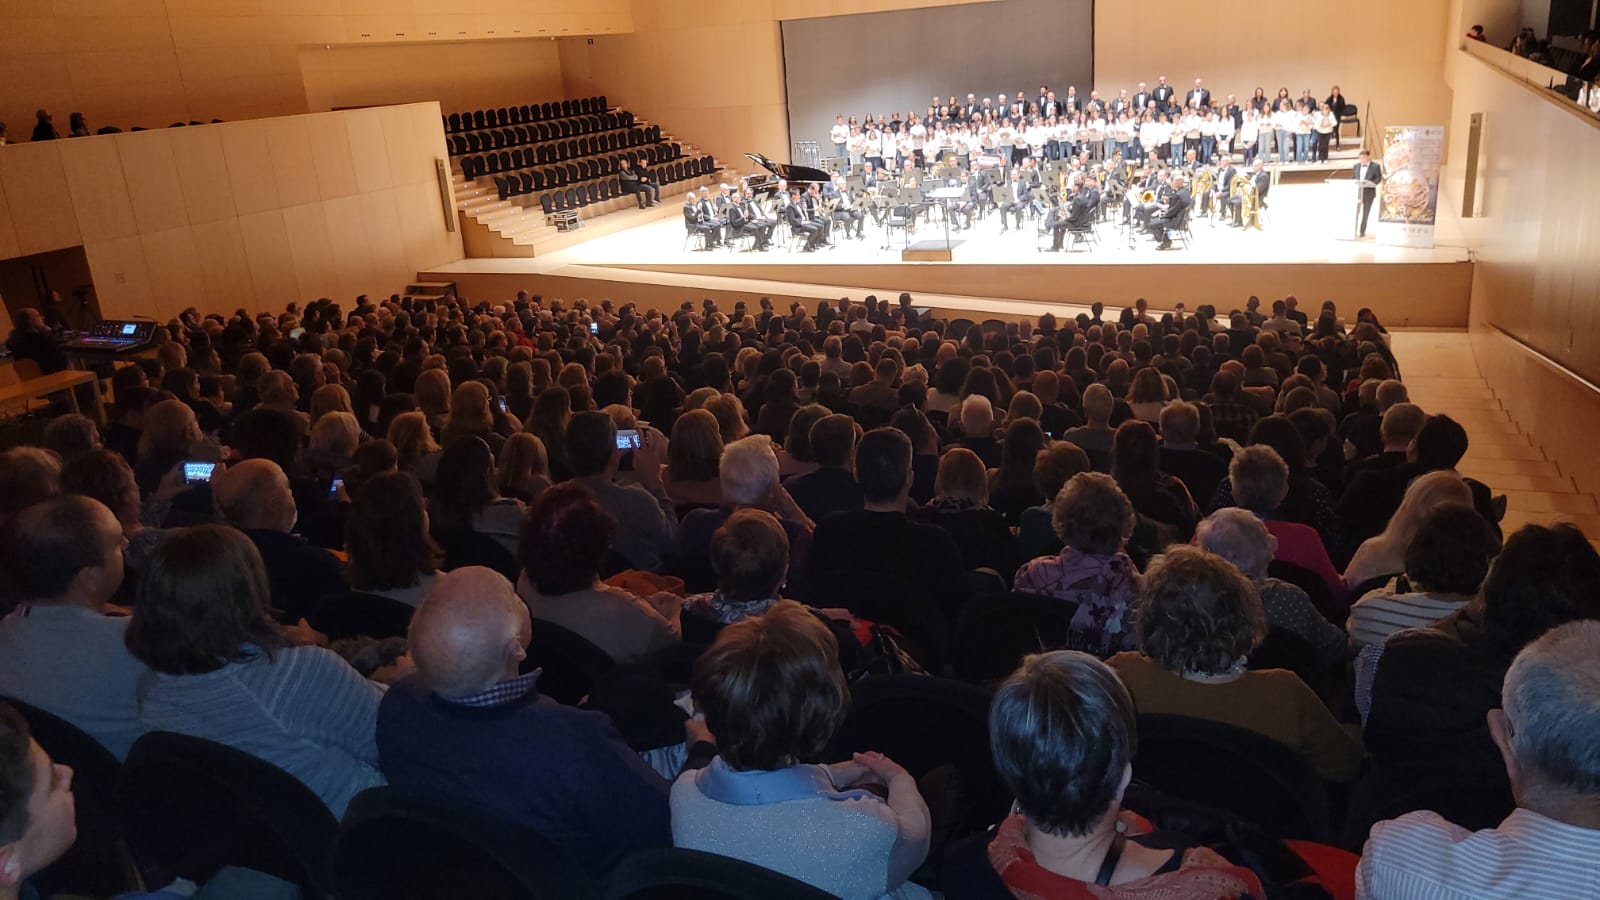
(1250, 133)
(1324, 123)
(840, 135)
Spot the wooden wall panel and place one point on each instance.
(201, 216)
(94, 177)
(35, 183)
(1376, 50)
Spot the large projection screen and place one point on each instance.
(895, 61)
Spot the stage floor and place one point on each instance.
(1305, 247)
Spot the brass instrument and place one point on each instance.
(1148, 195)
(1203, 180)
(1243, 189)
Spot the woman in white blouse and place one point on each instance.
(1324, 123)
(1282, 129)
(1302, 133)
(1250, 133)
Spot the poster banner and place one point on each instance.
(1409, 199)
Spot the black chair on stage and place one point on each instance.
(400, 845)
(668, 873)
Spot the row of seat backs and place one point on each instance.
(562, 174)
(583, 195)
(636, 148)
(531, 112)
(564, 149)
(534, 132)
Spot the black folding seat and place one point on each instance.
(525, 183)
(566, 108)
(452, 122)
(546, 204)
(601, 101)
(594, 192)
(521, 134)
(537, 178)
(523, 114)
(575, 200)
(544, 111)
(478, 119)
(502, 187)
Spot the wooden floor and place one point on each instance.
(1442, 377)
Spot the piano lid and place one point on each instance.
(789, 172)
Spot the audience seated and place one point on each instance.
(702, 541)
(564, 542)
(254, 497)
(1432, 687)
(960, 506)
(882, 539)
(1063, 731)
(392, 554)
(37, 812)
(692, 458)
(1445, 564)
(1549, 847)
(1372, 497)
(772, 692)
(1011, 486)
(647, 525)
(464, 500)
(468, 728)
(222, 670)
(832, 486)
(1181, 455)
(748, 477)
(59, 650)
(1258, 481)
(1241, 538)
(1384, 555)
(1092, 572)
(1198, 620)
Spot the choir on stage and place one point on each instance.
(1149, 161)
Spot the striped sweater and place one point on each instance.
(1420, 856)
(305, 711)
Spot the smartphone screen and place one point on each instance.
(333, 489)
(500, 403)
(197, 472)
(628, 439)
(594, 327)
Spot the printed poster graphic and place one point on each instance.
(1408, 201)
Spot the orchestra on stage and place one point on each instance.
(1148, 164)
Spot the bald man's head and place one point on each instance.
(470, 634)
(255, 495)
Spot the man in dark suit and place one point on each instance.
(1219, 189)
(1141, 98)
(1262, 179)
(1369, 175)
(1121, 104)
(1163, 94)
(707, 211)
(1175, 215)
(1371, 498)
(754, 222)
(693, 221)
(1198, 96)
(636, 181)
(796, 217)
(1021, 187)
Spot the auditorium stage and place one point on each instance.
(1305, 249)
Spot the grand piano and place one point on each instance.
(787, 172)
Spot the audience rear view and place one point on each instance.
(852, 598)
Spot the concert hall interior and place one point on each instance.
(237, 206)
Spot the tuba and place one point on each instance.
(1249, 202)
(1203, 181)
